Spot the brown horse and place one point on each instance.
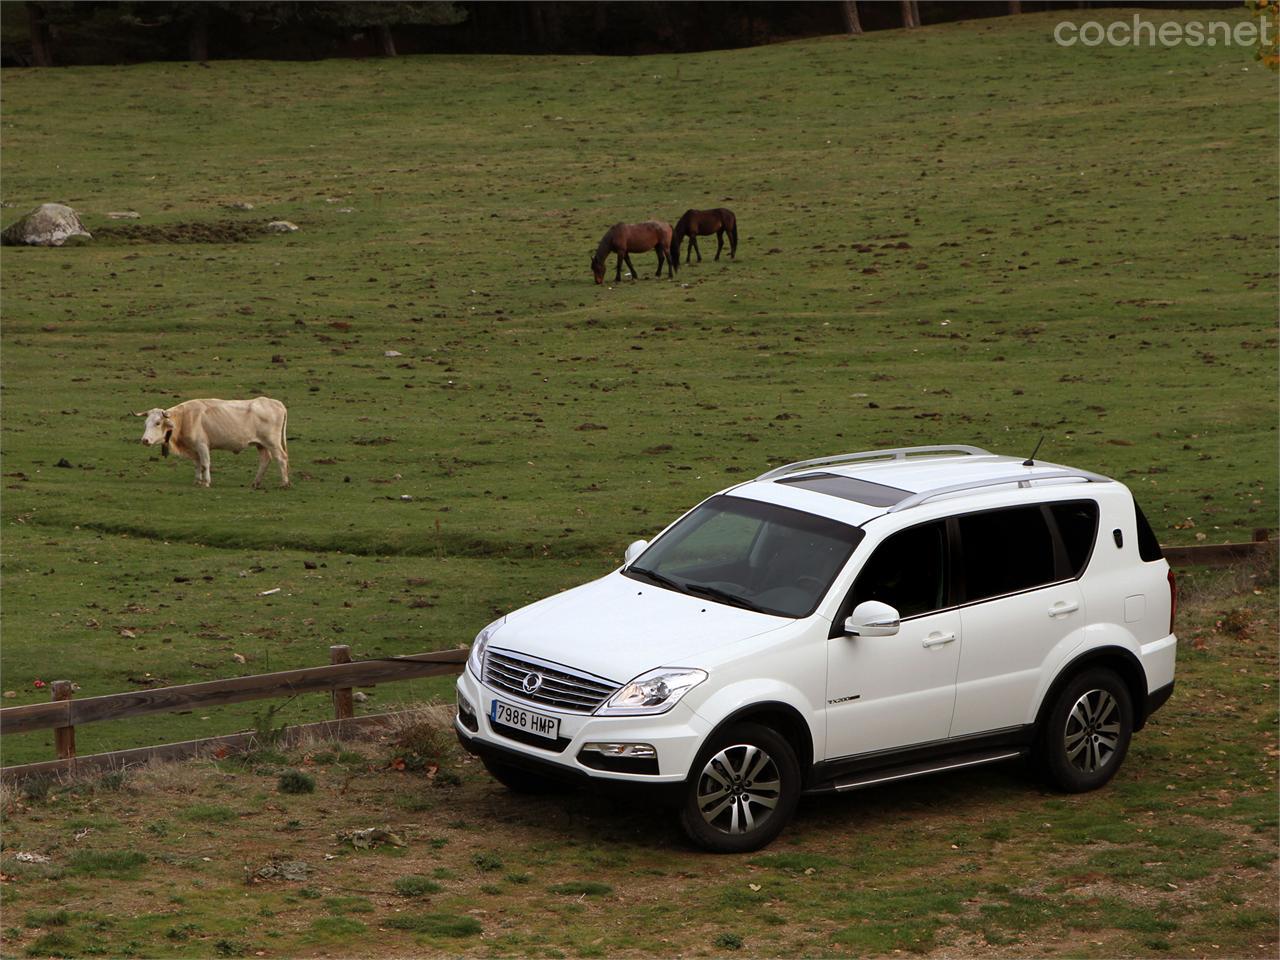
(701, 223)
(625, 239)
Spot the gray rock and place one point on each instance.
(281, 226)
(239, 205)
(48, 225)
(285, 870)
(123, 214)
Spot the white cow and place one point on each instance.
(195, 427)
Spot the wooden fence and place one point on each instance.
(63, 713)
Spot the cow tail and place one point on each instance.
(284, 427)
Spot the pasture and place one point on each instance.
(957, 234)
(1176, 857)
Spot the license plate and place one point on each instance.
(526, 720)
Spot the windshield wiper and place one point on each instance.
(654, 577)
(732, 599)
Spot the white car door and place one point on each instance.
(887, 692)
(1021, 601)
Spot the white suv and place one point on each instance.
(835, 624)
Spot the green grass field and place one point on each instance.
(1175, 857)
(958, 234)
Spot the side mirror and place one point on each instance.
(871, 618)
(637, 547)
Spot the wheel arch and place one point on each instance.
(781, 717)
(1118, 659)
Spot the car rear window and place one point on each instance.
(1078, 526)
(1006, 551)
(1148, 546)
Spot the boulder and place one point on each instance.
(281, 226)
(48, 225)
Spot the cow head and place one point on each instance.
(158, 429)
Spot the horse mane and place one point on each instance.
(605, 247)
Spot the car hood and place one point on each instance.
(618, 628)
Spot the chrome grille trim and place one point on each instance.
(562, 687)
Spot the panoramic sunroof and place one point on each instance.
(849, 488)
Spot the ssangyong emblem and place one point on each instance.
(532, 681)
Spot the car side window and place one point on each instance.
(1005, 551)
(907, 571)
(1078, 527)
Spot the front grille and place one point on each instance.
(561, 687)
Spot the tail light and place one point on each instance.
(1173, 599)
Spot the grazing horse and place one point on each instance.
(701, 223)
(625, 239)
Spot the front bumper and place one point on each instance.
(676, 736)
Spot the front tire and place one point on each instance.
(518, 780)
(1087, 732)
(742, 790)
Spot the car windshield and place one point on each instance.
(750, 554)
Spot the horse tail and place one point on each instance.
(733, 232)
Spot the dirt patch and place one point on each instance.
(217, 231)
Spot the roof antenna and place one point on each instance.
(1031, 460)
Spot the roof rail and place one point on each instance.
(1021, 479)
(896, 453)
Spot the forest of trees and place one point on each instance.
(58, 32)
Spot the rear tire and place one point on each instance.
(742, 789)
(518, 780)
(1086, 734)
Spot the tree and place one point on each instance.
(41, 55)
(852, 22)
(381, 16)
(910, 13)
(1268, 31)
(1015, 7)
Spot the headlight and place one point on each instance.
(475, 660)
(654, 692)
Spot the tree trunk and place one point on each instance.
(553, 24)
(41, 54)
(852, 22)
(537, 25)
(198, 37)
(1015, 7)
(910, 13)
(598, 19)
(386, 41)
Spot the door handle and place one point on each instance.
(1062, 608)
(937, 639)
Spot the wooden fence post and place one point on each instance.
(64, 738)
(343, 705)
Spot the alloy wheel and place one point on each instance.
(738, 789)
(1092, 731)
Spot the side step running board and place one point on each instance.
(890, 774)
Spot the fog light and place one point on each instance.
(467, 714)
(636, 750)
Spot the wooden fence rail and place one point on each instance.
(63, 713)
(116, 706)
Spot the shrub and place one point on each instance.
(486, 862)
(295, 781)
(436, 924)
(729, 941)
(416, 885)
